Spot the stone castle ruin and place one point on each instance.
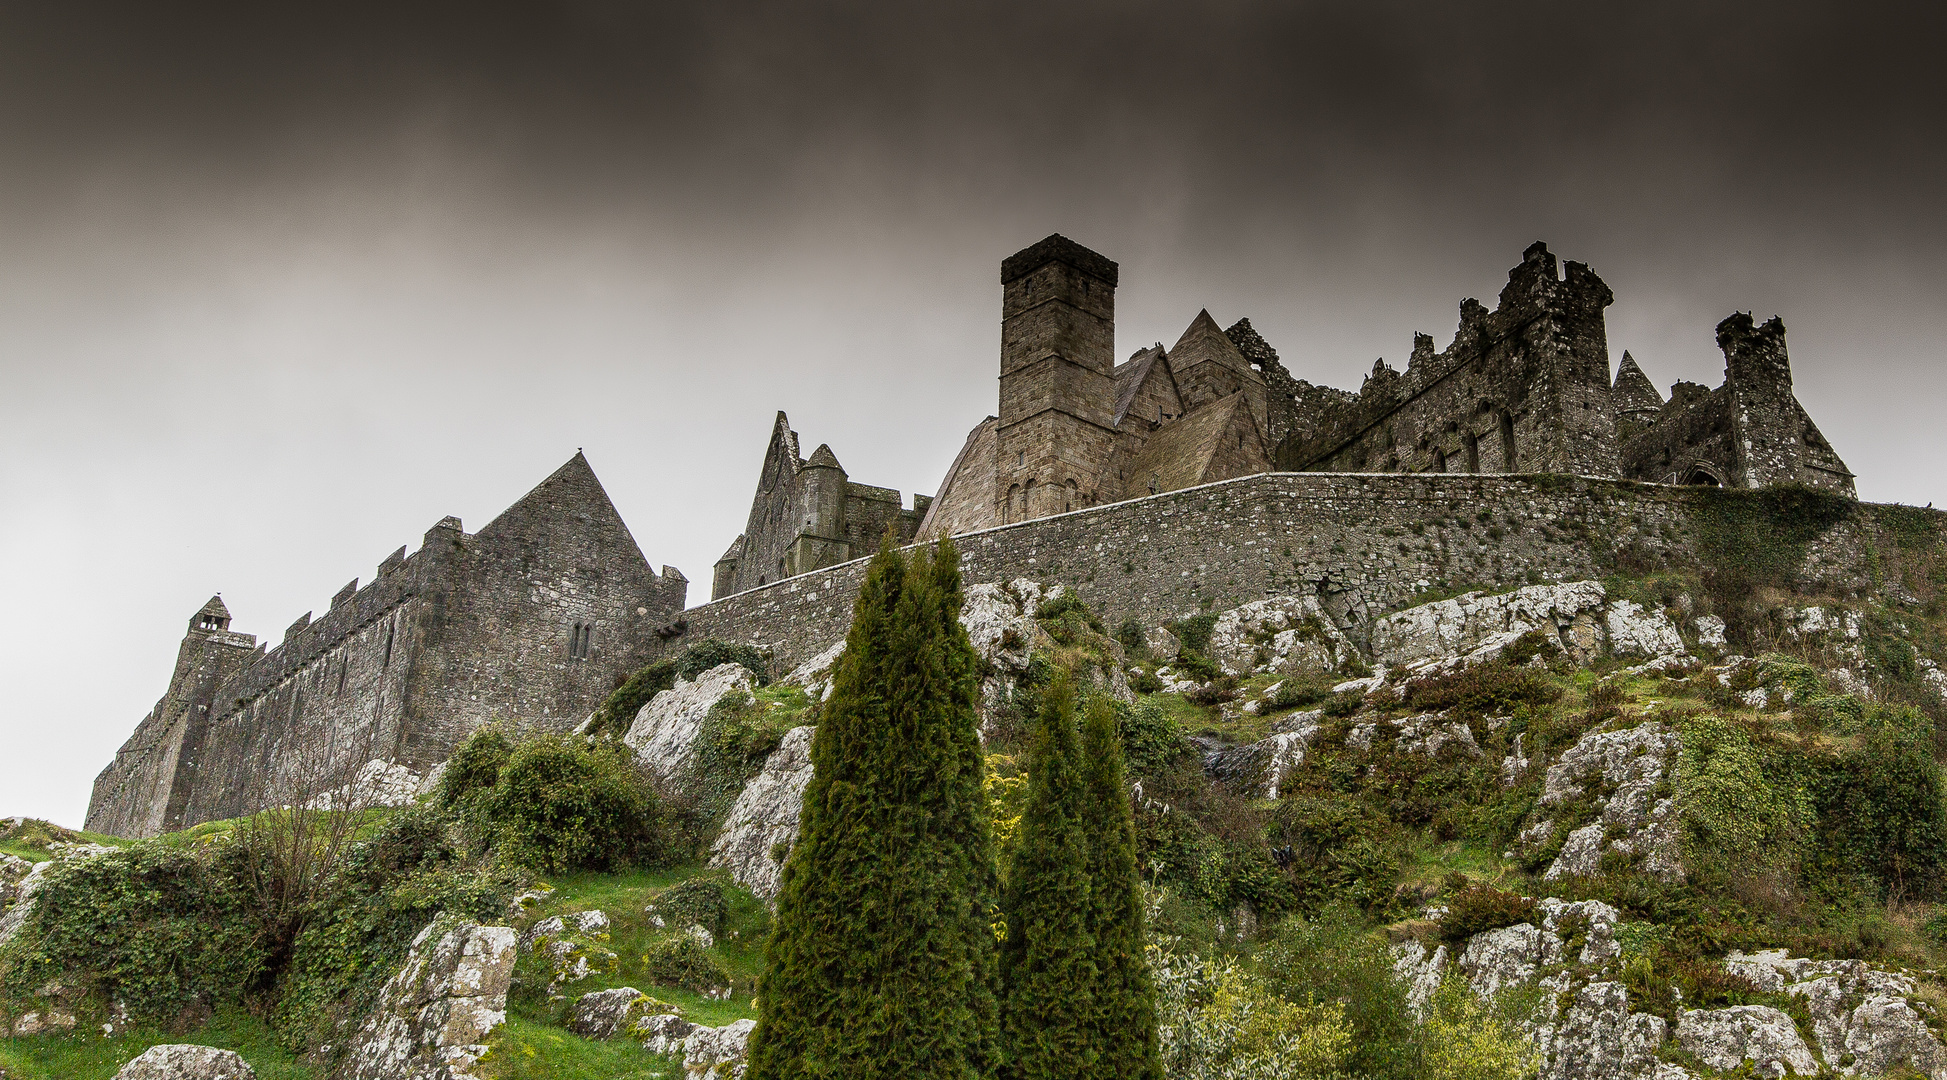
(1524, 388)
(523, 622)
(1196, 476)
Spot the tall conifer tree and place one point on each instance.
(882, 960)
(1048, 962)
(1124, 1021)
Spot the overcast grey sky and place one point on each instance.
(278, 290)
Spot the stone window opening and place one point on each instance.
(1439, 461)
(1507, 441)
(1473, 445)
(1069, 504)
(1008, 513)
(1020, 458)
(579, 641)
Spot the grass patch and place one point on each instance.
(624, 898)
(525, 1050)
(89, 1056)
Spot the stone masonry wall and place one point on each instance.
(1524, 388)
(530, 622)
(1365, 543)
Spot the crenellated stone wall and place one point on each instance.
(1364, 543)
(530, 622)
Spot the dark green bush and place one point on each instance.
(1482, 690)
(1881, 812)
(682, 962)
(474, 767)
(696, 902)
(1131, 637)
(1345, 703)
(1477, 907)
(562, 804)
(1152, 740)
(1194, 632)
(1338, 848)
(1197, 666)
(167, 932)
(711, 652)
(617, 712)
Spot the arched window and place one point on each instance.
(1473, 444)
(1507, 442)
(1010, 507)
(1070, 503)
(1027, 500)
(1439, 461)
(579, 640)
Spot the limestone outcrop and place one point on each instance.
(663, 735)
(1285, 635)
(1637, 815)
(763, 822)
(433, 1017)
(184, 1061)
(1865, 1021)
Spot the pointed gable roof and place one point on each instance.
(1187, 452)
(1140, 369)
(214, 607)
(570, 500)
(823, 458)
(1633, 391)
(1204, 342)
(966, 499)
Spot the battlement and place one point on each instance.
(1058, 248)
(528, 622)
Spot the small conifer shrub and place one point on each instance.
(1122, 1023)
(1048, 962)
(881, 961)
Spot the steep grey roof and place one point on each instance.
(1633, 391)
(824, 457)
(1129, 379)
(215, 607)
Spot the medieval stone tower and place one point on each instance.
(1057, 395)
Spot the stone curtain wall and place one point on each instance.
(1364, 543)
(530, 622)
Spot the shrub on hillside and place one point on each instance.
(1882, 811)
(1152, 740)
(554, 803)
(696, 902)
(1495, 687)
(712, 652)
(614, 715)
(680, 961)
(167, 932)
(1477, 907)
(561, 804)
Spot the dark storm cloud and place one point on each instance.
(279, 287)
(1789, 106)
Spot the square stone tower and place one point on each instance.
(1057, 401)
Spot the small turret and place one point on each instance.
(1754, 356)
(211, 616)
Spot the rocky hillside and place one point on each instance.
(1576, 830)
